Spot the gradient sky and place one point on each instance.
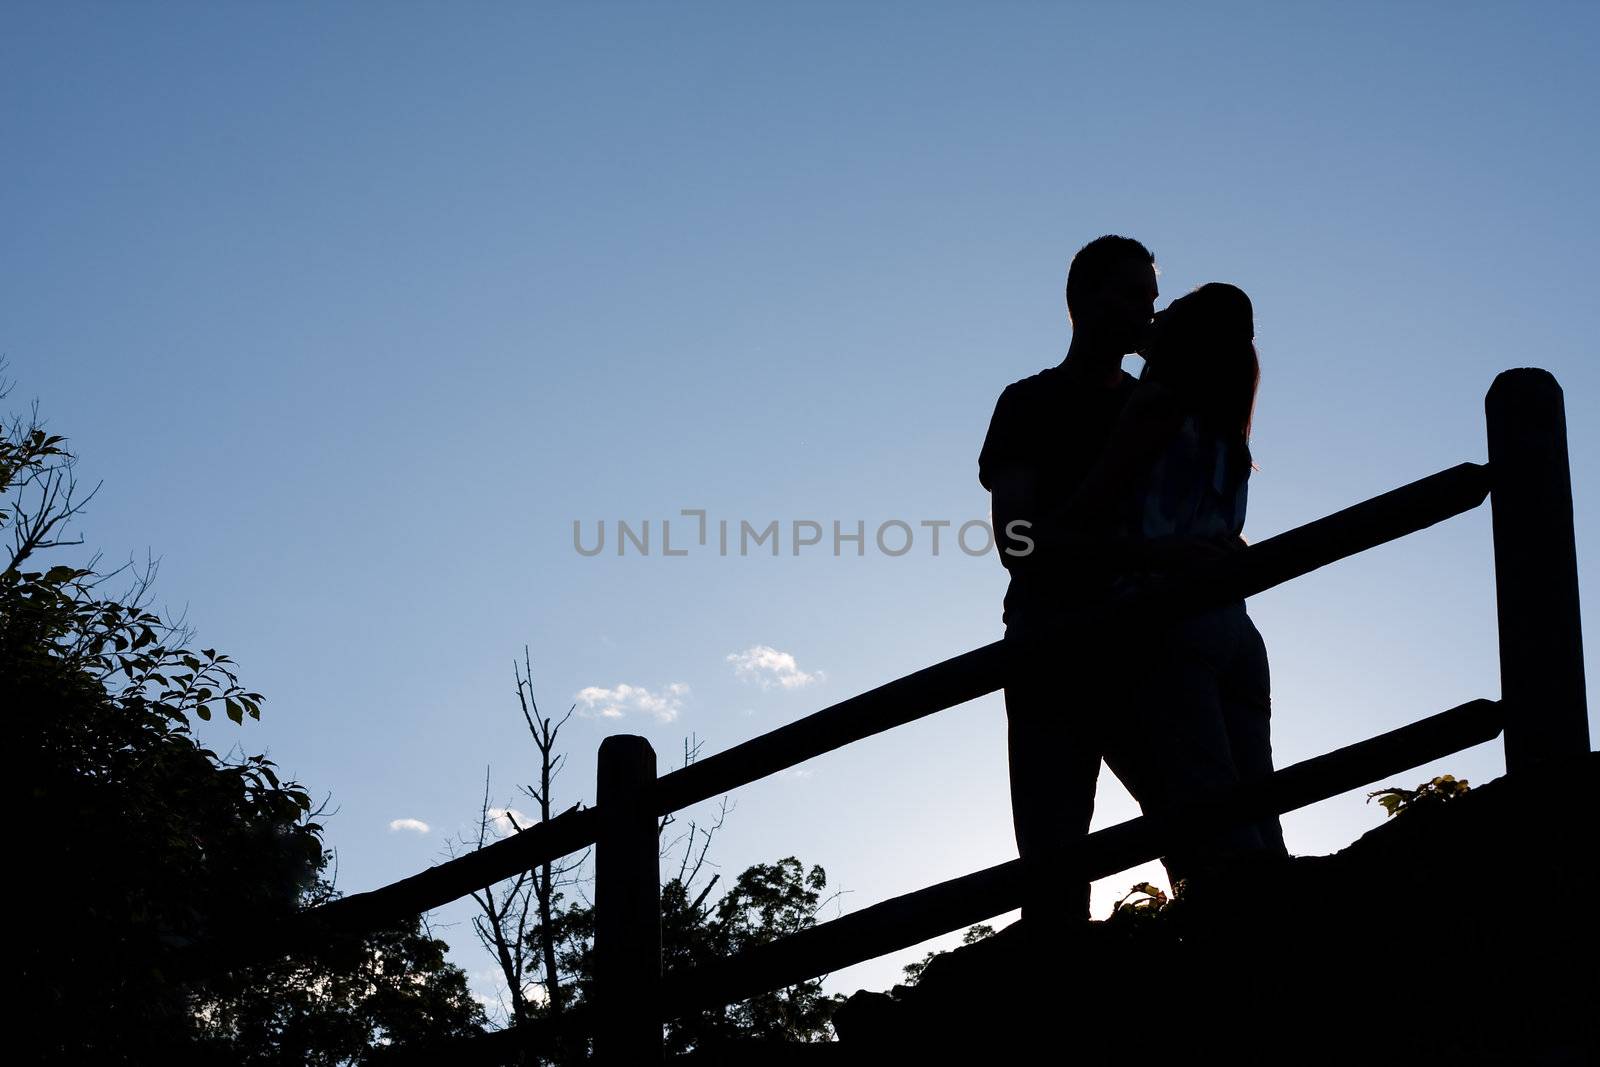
(355, 309)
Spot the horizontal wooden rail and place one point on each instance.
(915, 917)
(932, 689)
(944, 685)
(1415, 506)
(363, 912)
(1394, 514)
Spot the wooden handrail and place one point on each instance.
(1394, 514)
(362, 912)
(951, 905)
(944, 685)
(932, 689)
(1543, 697)
(915, 917)
(1412, 507)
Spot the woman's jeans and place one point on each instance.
(1177, 709)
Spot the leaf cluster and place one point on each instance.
(1431, 794)
(914, 971)
(341, 1003)
(766, 902)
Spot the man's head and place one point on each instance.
(1111, 292)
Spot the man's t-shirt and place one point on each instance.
(1056, 424)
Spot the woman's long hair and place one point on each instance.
(1205, 350)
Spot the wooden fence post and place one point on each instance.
(627, 906)
(1536, 571)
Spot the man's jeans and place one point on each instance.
(1177, 709)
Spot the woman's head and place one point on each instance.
(1204, 348)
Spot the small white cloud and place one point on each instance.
(769, 668)
(507, 820)
(416, 826)
(625, 699)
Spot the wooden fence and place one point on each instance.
(1541, 710)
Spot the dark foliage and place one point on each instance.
(140, 840)
(339, 1005)
(766, 902)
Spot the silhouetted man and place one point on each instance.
(1047, 432)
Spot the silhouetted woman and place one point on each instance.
(1168, 495)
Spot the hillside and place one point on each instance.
(1461, 934)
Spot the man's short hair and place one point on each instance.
(1095, 262)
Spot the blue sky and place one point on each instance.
(355, 310)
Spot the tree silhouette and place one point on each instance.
(539, 926)
(142, 841)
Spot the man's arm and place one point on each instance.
(1013, 489)
(1007, 467)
